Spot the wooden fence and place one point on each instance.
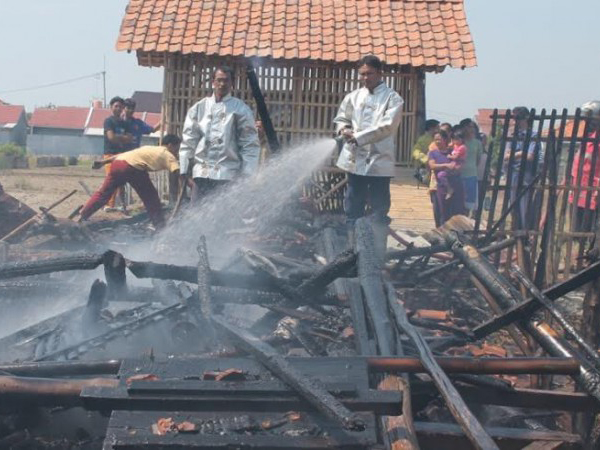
(547, 201)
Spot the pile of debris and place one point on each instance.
(300, 342)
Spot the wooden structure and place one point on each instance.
(556, 234)
(304, 56)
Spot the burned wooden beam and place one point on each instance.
(563, 366)
(369, 276)
(28, 268)
(461, 413)
(190, 275)
(305, 386)
(339, 267)
(431, 434)
(416, 251)
(62, 368)
(487, 250)
(114, 271)
(47, 391)
(556, 314)
(528, 307)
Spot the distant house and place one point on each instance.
(13, 124)
(72, 131)
(147, 101)
(484, 119)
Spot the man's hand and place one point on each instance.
(97, 164)
(348, 135)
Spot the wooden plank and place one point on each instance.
(312, 431)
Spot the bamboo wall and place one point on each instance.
(557, 233)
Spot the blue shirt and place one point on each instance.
(138, 128)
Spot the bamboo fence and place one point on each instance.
(555, 233)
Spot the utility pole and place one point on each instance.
(104, 80)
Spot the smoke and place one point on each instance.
(248, 204)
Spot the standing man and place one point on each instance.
(220, 137)
(116, 141)
(368, 120)
(524, 159)
(136, 127)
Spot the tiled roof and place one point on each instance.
(421, 33)
(10, 114)
(97, 117)
(69, 117)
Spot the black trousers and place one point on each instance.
(204, 186)
(363, 190)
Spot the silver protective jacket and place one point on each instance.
(375, 118)
(221, 138)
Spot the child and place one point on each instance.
(457, 157)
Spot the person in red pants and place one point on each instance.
(132, 167)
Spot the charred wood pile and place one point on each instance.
(298, 340)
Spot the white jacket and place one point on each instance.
(375, 119)
(221, 138)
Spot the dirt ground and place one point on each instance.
(44, 186)
(411, 206)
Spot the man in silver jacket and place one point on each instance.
(219, 135)
(368, 120)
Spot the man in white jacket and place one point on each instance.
(219, 135)
(367, 120)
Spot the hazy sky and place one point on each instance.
(537, 53)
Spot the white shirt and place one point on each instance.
(221, 139)
(375, 118)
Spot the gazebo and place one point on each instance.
(304, 53)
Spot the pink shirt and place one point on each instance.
(460, 154)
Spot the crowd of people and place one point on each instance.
(452, 160)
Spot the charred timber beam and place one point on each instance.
(263, 112)
(431, 434)
(416, 251)
(337, 268)
(56, 369)
(556, 314)
(190, 275)
(369, 276)
(530, 398)
(28, 268)
(114, 271)
(457, 406)
(487, 250)
(528, 307)
(306, 387)
(564, 366)
(48, 391)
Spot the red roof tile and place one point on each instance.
(71, 117)
(10, 113)
(431, 33)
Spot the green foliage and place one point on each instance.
(8, 153)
